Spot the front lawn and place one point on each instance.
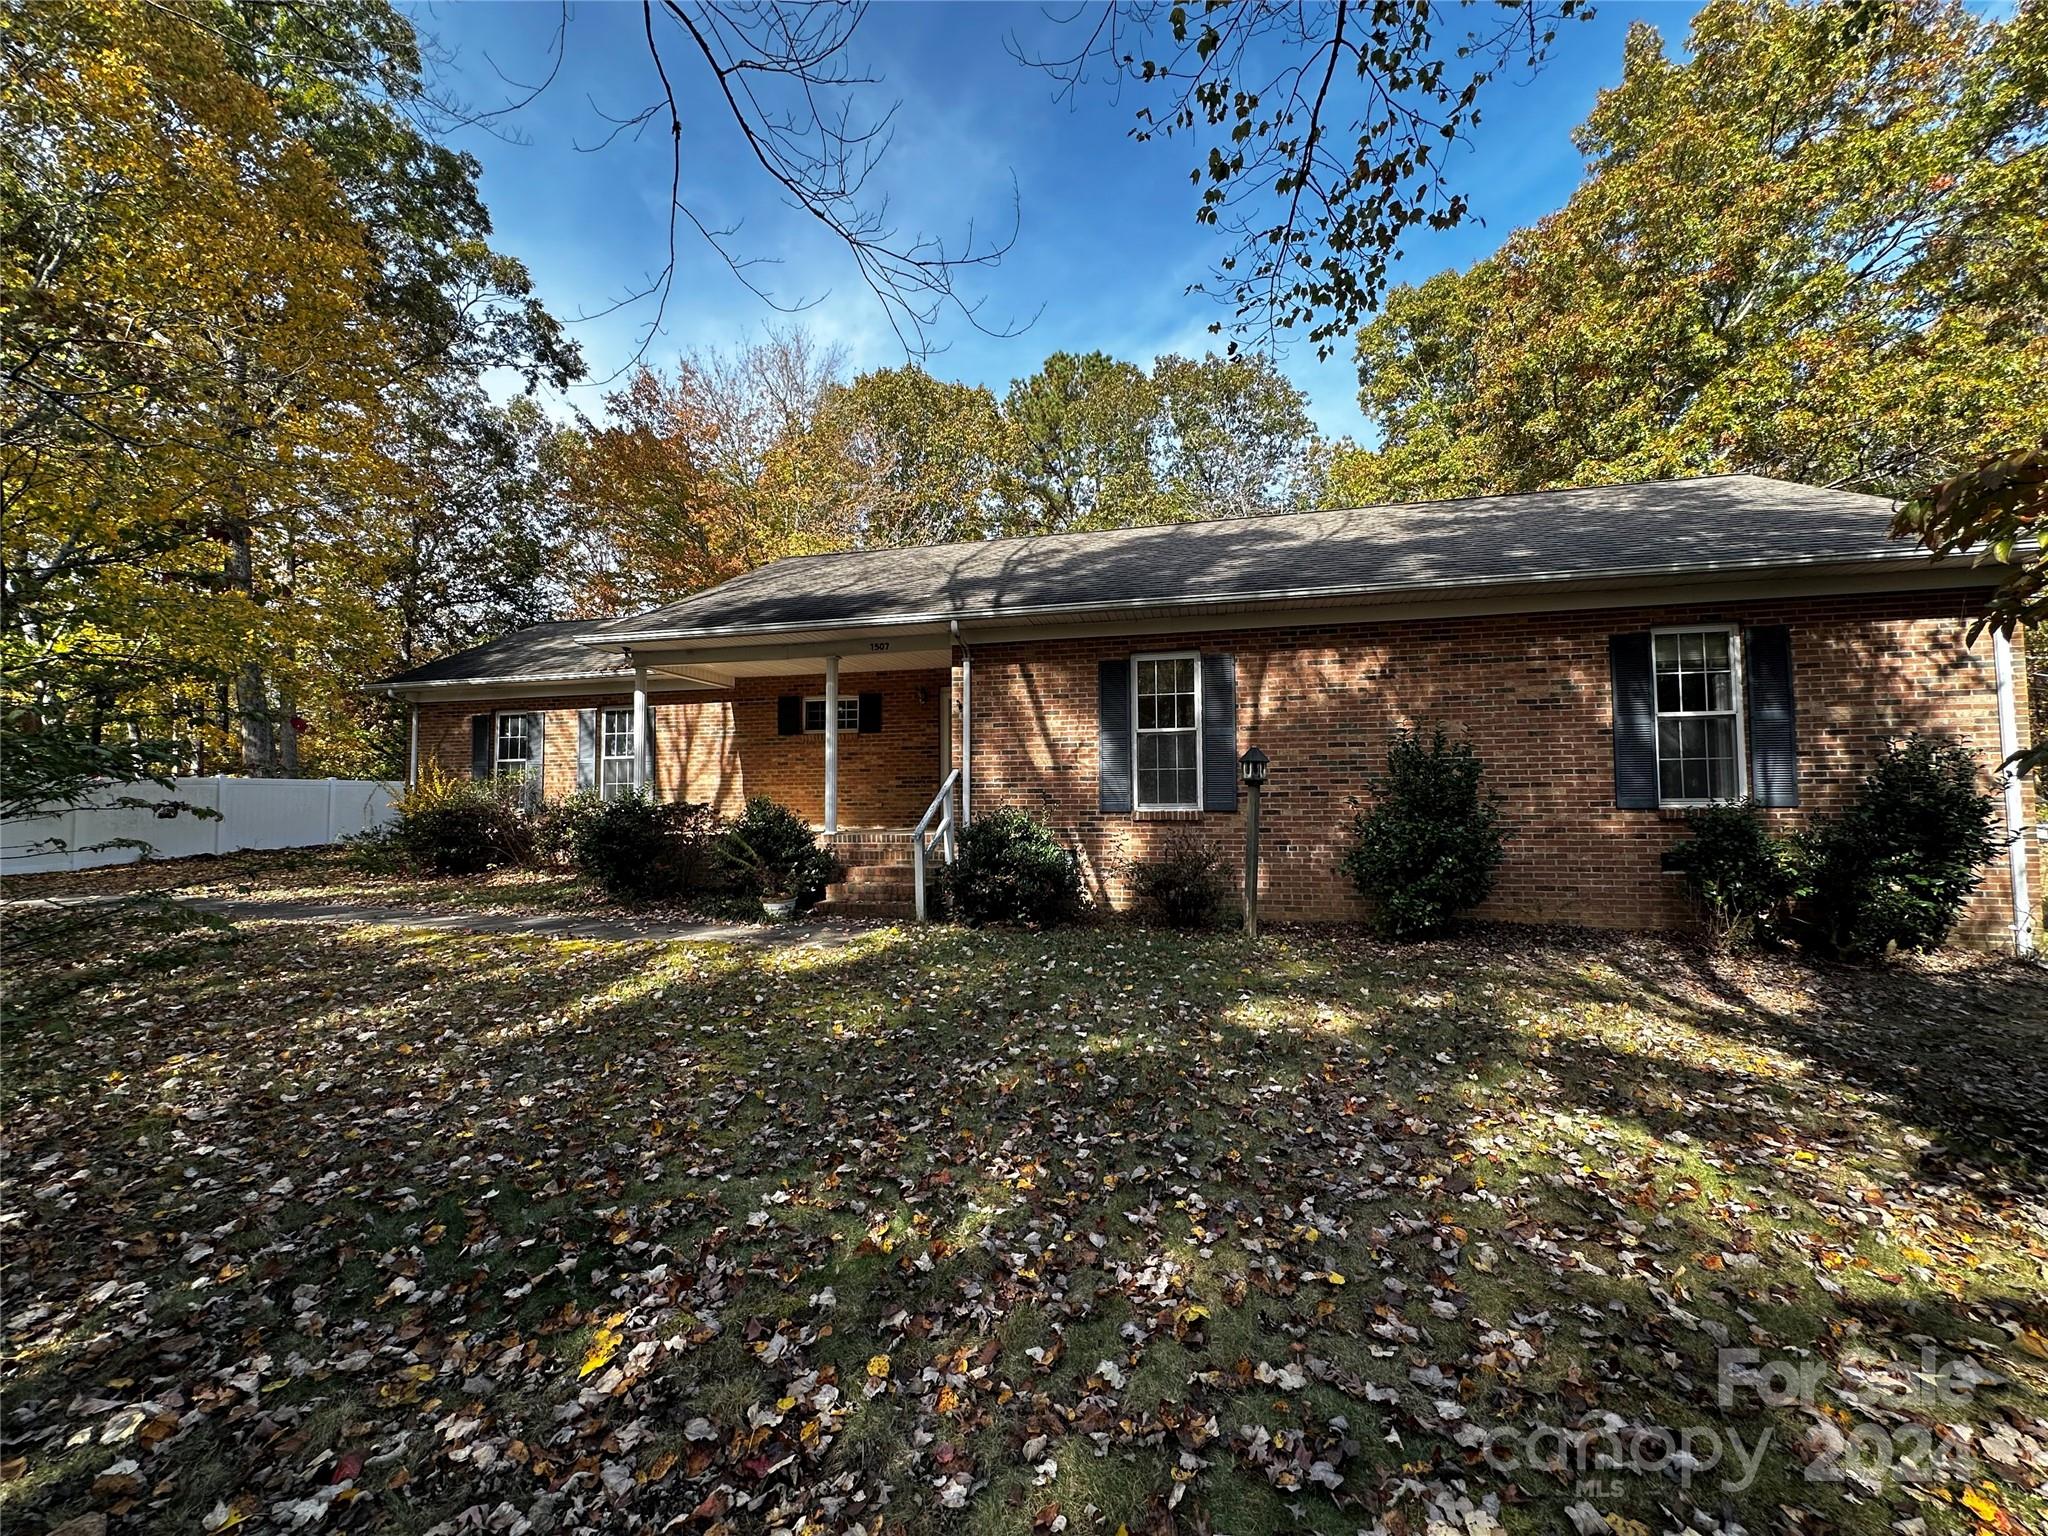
(345, 1228)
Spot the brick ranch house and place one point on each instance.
(1616, 654)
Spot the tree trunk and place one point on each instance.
(252, 706)
(252, 711)
(288, 735)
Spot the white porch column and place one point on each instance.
(831, 744)
(2016, 830)
(412, 749)
(966, 735)
(643, 775)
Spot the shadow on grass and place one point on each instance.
(440, 1174)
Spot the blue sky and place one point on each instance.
(1106, 241)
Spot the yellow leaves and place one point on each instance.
(604, 1343)
(1334, 1278)
(2035, 1344)
(878, 1368)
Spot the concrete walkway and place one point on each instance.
(548, 925)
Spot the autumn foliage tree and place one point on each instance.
(241, 283)
(1814, 246)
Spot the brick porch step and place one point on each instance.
(880, 880)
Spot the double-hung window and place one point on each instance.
(1699, 715)
(849, 715)
(615, 753)
(515, 745)
(1167, 724)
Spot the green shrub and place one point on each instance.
(1738, 873)
(1894, 870)
(771, 851)
(378, 850)
(1428, 847)
(558, 823)
(634, 848)
(1010, 868)
(456, 826)
(1183, 884)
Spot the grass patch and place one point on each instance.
(976, 1231)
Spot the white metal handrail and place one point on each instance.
(924, 834)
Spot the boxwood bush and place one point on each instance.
(1895, 869)
(1738, 873)
(635, 848)
(455, 826)
(1428, 847)
(1010, 867)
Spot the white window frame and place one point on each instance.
(498, 758)
(1138, 800)
(849, 723)
(1738, 699)
(626, 757)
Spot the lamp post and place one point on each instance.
(1252, 769)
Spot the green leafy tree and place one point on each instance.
(1814, 247)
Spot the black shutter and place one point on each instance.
(586, 749)
(870, 713)
(1113, 736)
(1773, 731)
(1635, 721)
(1219, 733)
(789, 715)
(483, 745)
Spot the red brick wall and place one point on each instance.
(1532, 693)
(724, 746)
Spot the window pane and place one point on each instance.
(849, 713)
(618, 733)
(1692, 691)
(1714, 649)
(1720, 750)
(514, 740)
(814, 714)
(1667, 653)
(1692, 650)
(1667, 691)
(1720, 690)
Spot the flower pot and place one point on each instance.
(778, 907)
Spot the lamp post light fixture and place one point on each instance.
(1252, 769)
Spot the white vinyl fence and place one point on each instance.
(254, 813)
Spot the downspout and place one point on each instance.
(2015, 804)
(966, 726)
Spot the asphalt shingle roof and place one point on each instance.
(1657, 527)
(1661, 528)
(538, 651)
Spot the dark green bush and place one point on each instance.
(1011, 868)
(557, 824)
(1738, 873)
(1183, 884)
(771, 851)
(1428, 847)
(458, 826)
(1894, 870)
(635, 849)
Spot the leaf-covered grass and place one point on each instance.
(936, 1230)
